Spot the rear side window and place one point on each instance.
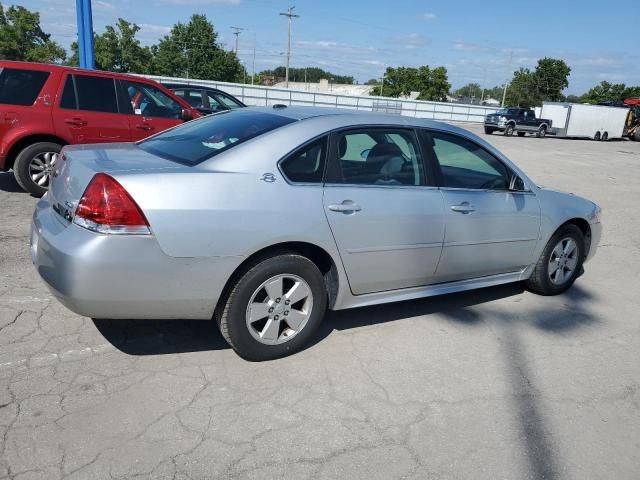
(20, 87)
(96, 94)
(307, 164)
(196, 141)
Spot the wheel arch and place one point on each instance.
(584, 227)
(318, 255)
(25, 141)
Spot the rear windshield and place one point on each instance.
(200, 140)
(20, 87)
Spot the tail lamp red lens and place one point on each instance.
(106, 207)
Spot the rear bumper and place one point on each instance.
(102, 276)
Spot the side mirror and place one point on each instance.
(186, 115)
(517, 184)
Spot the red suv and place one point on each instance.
(44, 107)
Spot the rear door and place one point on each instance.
(489, 228)
(26, 96)
(149, 110)
(385, 213)
(87, 110)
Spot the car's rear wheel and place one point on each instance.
(508, 131)
(605, 137)
(542, 132)
(274, 307)
(560, 262)
(34, 166)
(596, 137)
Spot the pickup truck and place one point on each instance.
(519, 120)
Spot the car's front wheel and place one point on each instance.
(34, 165)
(560, 262)
(274, 307)
(489, 130)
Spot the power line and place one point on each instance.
(290, 15)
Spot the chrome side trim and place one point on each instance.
(392, 248)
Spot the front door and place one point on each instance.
(489, 229)
(385, 214)
(150, 110)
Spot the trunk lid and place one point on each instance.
(79, 163)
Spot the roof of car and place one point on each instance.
(189, 85)
(53, 66)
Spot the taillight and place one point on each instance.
(106, 207)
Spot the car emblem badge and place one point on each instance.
(268, 177)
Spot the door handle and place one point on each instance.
(75, 121)
(144, 126)
(464, 207)
(347, 206)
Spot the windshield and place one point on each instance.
(507, 111)
(200, 140)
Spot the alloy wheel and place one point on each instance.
(279, 309)
(41, 167)
(563, 261)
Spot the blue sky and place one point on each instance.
(477, 41)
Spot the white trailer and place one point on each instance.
(597, 122)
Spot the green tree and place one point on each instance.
(469, 90)
(431, 84)
(118, 49)
(548, 80)
(373, 81)
(523, 89)
(610, 92)
(311, 74)
(552, 77)
(192, 50)
(22, 38)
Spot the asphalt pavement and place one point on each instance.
(492, 384)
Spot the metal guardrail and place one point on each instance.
(258, 95)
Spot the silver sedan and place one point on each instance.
(262, 218)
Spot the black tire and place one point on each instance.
(605, 137)
(542, 131)
(636, 135)
(231, 318)
(540, 281)
(488, 130)
(521, 134)
(22, 164)
(596, 137)
(508, 130)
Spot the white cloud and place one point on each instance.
(317, 44)
(98, 4)
(428, 16)
(151, 29)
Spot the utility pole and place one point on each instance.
(382, 85)
(253, 66)
(236, 32)
(290, 15)
(504, 93)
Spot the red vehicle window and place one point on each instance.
(20, 87)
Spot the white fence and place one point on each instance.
(257, 95)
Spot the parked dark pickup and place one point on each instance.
(520, 120)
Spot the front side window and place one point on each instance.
(194, 142)
(151, 102)
(307, 164)
(20, 87)
(96, 94)
(227, 101)
(465, 164)
(379, 157)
